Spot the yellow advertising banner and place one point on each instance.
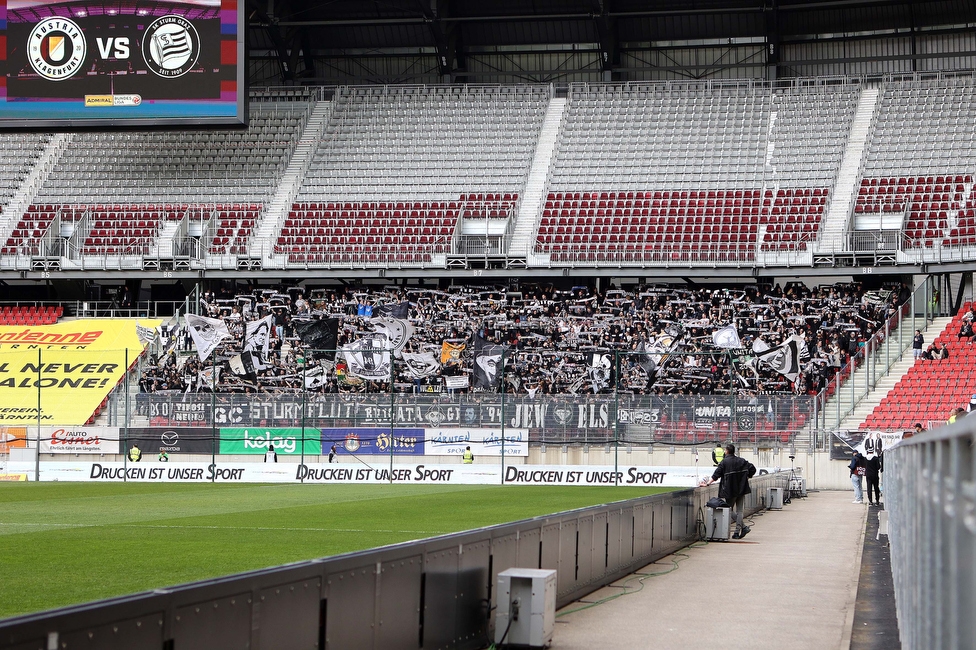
(66, 369)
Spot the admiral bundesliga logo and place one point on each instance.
(56, 48)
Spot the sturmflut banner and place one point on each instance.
(351, 471)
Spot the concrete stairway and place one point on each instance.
(291, 180)
(535, 185)
(835, 224)
(25, 194)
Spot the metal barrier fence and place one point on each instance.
(433, 593)
(930, 495)
(551, 419)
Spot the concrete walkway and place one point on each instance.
(792, 583)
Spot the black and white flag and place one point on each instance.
(257, 337)
(600, 371)
(243, 364)
(396, 330)
(645, 360)
(146, 335)
(784, 359)
(489, 359)
(208, 378)
(392, 310)
(319, 335)
(207, 333)
(316, 378)
(368, 357)
(421, 364)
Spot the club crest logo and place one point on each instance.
(171, 46)
(56, 48)
(435, 416)
(564, 415)
(352, 443)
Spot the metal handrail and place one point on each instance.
(871, 352)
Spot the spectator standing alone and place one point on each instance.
(271, 456)
(917, 342)
(859, 469)
(734, 473)
(875, 466)
(332, 453)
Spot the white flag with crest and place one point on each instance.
(207, 333)
(727, 337)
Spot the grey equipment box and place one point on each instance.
(717, 521)
(532, 625)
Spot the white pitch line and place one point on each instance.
(262, 528)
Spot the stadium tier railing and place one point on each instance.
(437, 592)
(929, 499)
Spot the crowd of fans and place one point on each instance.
(577, 340)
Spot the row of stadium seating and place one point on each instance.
(936, 209)
(714, 221)
(32, 315)
(693, 147)
(930, 388)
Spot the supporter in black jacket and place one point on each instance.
(875, 467)
(734, 473)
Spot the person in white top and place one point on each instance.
(270, 456)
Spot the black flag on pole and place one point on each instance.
(319, 335)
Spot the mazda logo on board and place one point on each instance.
(170, 438)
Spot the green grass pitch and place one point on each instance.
(67, 543)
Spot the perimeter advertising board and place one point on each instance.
(79, 440)
(254, 471)
(101, 63)
(172, 440)
(363, 441)
(287, 441)
(483, 442)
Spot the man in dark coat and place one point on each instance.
(734, 473)
(875, 466)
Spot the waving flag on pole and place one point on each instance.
(392, 310)
(727, 337)
(488, 360)
(319, 335)
(451, 353)
(368, 357)
(784, 359)
(207, 333)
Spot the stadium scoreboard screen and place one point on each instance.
(104, 63)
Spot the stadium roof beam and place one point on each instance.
(606, 27)
(445, 34)
(773, 41)
(257, 17)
